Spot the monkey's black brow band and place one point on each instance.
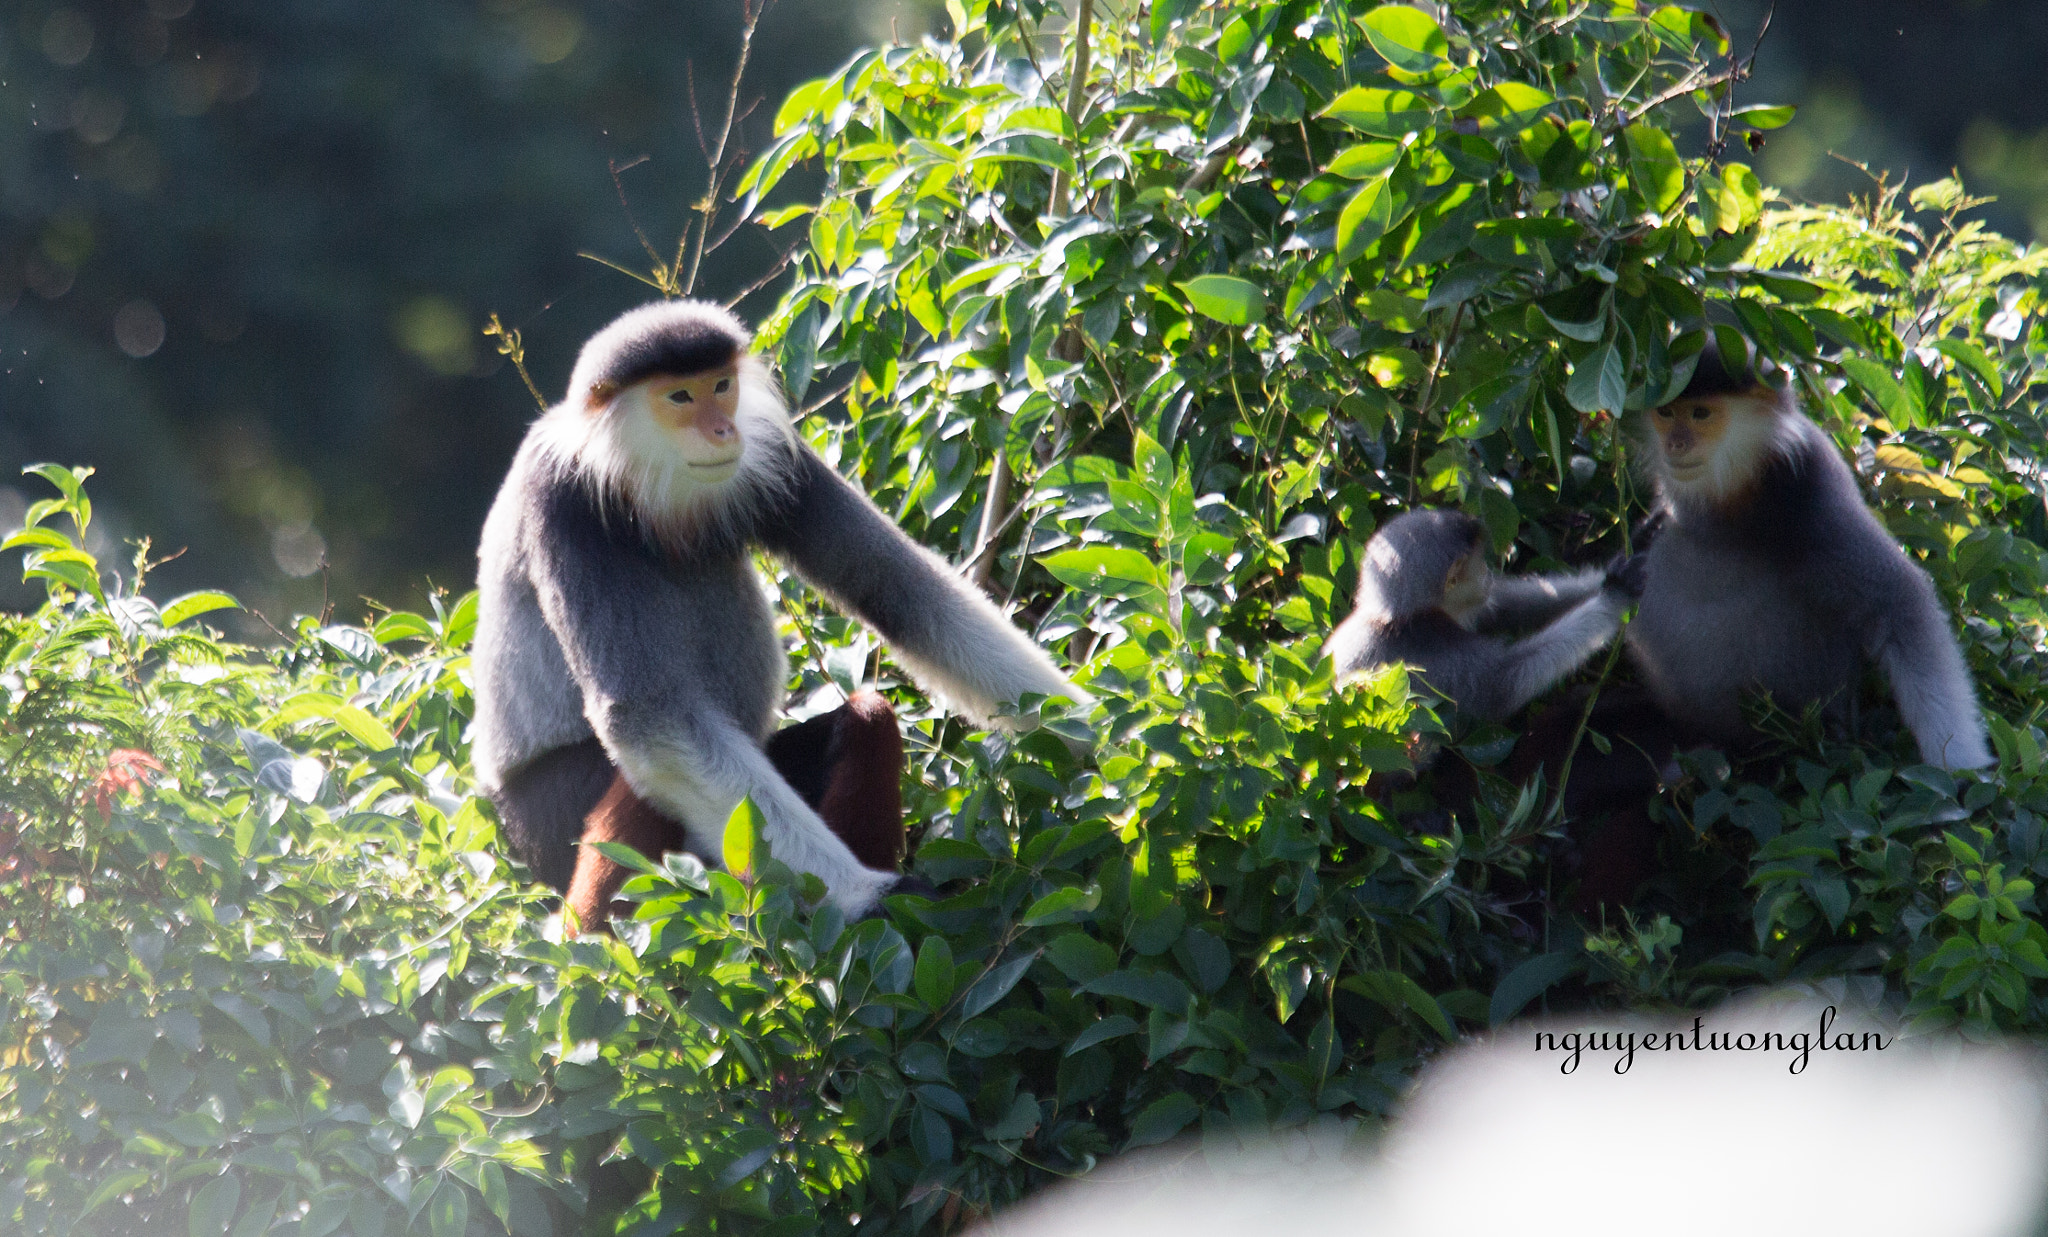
(677, 351)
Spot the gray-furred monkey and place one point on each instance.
(620, 620)
(1427, 597)
(1770, 574)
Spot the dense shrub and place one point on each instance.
(1153, 355)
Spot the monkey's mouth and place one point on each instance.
(1686, 469)
(713, 466)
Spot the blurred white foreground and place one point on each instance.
(1919, 1139)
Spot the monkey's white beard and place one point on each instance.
(1759, 430)
(639, 465)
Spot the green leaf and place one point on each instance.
(742, 838)
(1585, 332)
(1897, 404)
(1974, 359)
(38, 538)
(1017, 1123)
(1108, 570)
(1102, 1031)
(995, 985)
(192, 605)
(1165, 13)
(1397, 992)
(1599, 381)
(1162, 1119)
(1764, 115)
(1080, 957)
(1654, 166)
(1527, 982)
(448, 1211)
(1062, 906)
(1226, 298)
(214, 1206)
(1155, 989)
(1380, 112)
(1408, 38)
(1507, 109)
(401, 625)
(1365, 219)
(626, 856)
(934, 977)
(114, 1186)
(116, 1035)
(1367, 159)
(355, 722)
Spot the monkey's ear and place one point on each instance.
(601, 393)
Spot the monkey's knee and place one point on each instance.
(620, 816)
(543, 803)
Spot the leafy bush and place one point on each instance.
(1153, 355)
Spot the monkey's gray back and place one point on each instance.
(527, 702)
(1784, 597)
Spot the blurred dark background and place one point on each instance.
(246, 246)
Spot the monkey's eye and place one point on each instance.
(1664, 414)
(724, 385)
(679, 396)
(1702, 412)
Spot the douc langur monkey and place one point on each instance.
(1767, 573)
(622, 631)
(1426, 596)
(1771, 574)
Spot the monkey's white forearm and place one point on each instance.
(1931, 685)
(1535, 664)
(700, 775)
(953, 640)
(974, 658)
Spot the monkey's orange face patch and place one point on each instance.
(1689, 434)
(701, 411)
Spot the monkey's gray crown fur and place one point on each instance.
(666, 337)
(1407, 559)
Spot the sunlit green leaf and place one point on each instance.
(1226, 298)
(1381, 112)
(1409, 38)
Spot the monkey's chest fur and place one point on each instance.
(1720, 617)
(678, 631)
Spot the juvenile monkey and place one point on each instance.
(622, 631)
(1427, 596)
(1771, 575)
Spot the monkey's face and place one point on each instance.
(1689, 433)
(699, 412)
(1466, 586)
(1712, 446)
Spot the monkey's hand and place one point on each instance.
(1627, 575)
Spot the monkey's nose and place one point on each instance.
(717, 429)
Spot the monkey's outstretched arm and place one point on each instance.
(1523, 603)
(952, 639)
(1531, 666)
(648, 657)
(1930, 681)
